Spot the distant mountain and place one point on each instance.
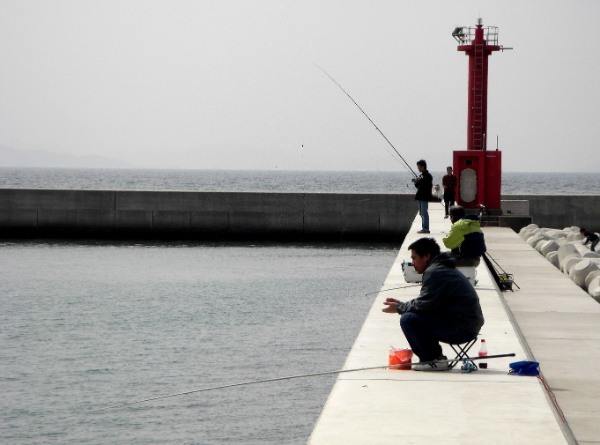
(12, 157)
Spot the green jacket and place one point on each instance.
(462, 230)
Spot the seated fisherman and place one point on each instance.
(465, 238)
(447, 308)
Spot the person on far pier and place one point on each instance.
(590, 237)
(424, 184)
(438, 195)
(449, 182)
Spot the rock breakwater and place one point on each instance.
(564, 248)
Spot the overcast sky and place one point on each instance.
(232, 84)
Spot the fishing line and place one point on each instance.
(290, 377)
(407, 166)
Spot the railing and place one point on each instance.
(466, 35)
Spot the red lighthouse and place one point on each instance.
(478, 170)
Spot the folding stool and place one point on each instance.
(462, 352)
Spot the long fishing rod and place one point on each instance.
(276, 379)
(418, 284)
(393, 288)
(407, 166)
(498, 277)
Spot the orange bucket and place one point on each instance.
(402, 357)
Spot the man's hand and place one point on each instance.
(390, 306)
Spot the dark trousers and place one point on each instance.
(448, 199)
(424, 333)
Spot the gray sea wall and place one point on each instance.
(383, 217)
(206, 215)
(563, 210)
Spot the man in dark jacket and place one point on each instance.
(447, 308)
(449, 182)
(590, 237)
(423, 183)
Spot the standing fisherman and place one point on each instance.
(423, 183)
(449, 182)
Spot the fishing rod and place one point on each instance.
(290, 377)
(407, 166)
(504, 279)
(393, 288)
(414, 285)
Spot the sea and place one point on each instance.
(135, 342)
(513, 183)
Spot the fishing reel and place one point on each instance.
(468, 366)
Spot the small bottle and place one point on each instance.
(483, 353)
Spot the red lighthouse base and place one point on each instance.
(479, 178)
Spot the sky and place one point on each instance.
(234, 84)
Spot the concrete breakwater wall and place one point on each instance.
(246, 215)
(206, 215)
(565, 250)
(563, 210)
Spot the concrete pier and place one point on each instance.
(549, 320)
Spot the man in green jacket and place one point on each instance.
(465, 238)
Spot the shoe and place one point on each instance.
(446, 217)
(423, 231)
(439, 364)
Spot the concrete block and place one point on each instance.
(574, 237)
(553, 258)
(593, 274)
(594, 289)
(548, 246)
(534, 240)
(532, 231)
(567, 249)
(569, 262)
(580, 270)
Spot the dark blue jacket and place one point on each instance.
(424, 184)
(447, 293)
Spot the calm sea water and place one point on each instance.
(88, 325)
(84, 326)
(276, 181)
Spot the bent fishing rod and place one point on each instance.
(290, 377)
(407, 166)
